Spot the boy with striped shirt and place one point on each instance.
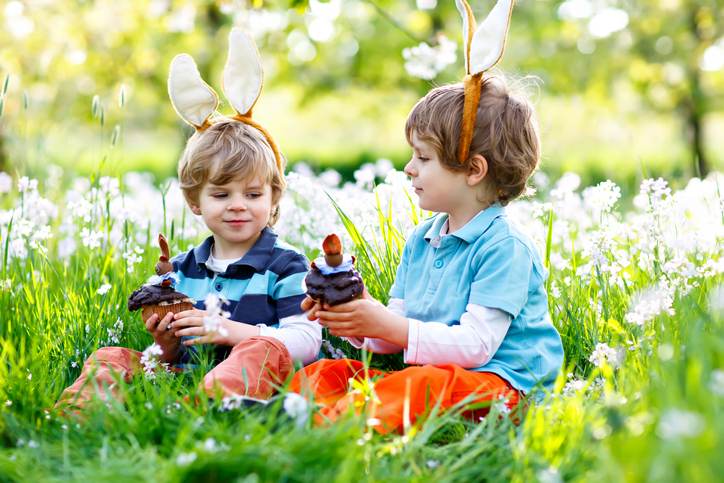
(229, 177)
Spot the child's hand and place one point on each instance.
(365, 317)
(311, 307)
(191, 323)
(166, 339)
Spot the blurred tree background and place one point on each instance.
(624, 87)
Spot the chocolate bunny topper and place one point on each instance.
(164, 265)
(483, 48)
(195, 101)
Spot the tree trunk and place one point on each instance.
(695, 133)
(696, 104)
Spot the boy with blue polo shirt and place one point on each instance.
(468, 307)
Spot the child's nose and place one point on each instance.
(409, 169)
(237, 203)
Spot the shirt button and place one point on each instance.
(438, 263)
(218, 287)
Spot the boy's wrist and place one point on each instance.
(238, 332)
(395, 329)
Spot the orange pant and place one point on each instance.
(254, 368)
(411, 392)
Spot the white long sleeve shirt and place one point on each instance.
(470, 344)
(301, 336)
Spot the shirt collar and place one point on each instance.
(473, 229)
(257, 257)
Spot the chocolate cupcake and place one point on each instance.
(158, 296)
(333, 279)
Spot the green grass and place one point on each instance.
(52, 319)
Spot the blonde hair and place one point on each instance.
(506, 133)
(225, 151)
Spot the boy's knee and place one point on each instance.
(114, 356)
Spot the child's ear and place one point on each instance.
(478, 169)
(195, 209)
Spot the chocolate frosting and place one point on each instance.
(333, 289)
(153, 295)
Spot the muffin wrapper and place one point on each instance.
(162, 310)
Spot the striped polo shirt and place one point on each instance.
(262, 287)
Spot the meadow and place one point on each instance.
(635, 289)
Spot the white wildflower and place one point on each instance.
(8, 403)
(132, 257)
(500, 405)
(6, 182)
(678, 423)
(608, 355)
(650, 303)
(426, 62)
(365, 176)
(211, 446)
(573, 386)
(602, 197)
(297, 407)
(115, 333)
(213, 322)
(716, 300)
(66, 247)
(150, 360)
(91, 238)
(185, 459)
(716, 384)
(655, 190)
(549, 475)
(103, 289)
(26, 184)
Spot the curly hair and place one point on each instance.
(229, 150)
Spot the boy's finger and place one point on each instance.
(333, 316)
(190, 331)
(189, 313)
(151, 322)
(307, 303)
(163, 323)
(187, 322)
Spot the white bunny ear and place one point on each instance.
(243, 74)
(488, 42)
(192, 98)
(468, 28)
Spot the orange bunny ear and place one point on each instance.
(483, 46)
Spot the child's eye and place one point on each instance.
(423, 159)
(218, 195)
(253, 195)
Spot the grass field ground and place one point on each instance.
(636, 294)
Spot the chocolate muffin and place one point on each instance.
(158, 296)
(333, 279)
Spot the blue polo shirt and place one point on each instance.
(487, 262)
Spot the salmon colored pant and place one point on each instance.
(254, 368)
(410, 393)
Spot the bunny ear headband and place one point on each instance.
(195, 101)
(483, 48)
